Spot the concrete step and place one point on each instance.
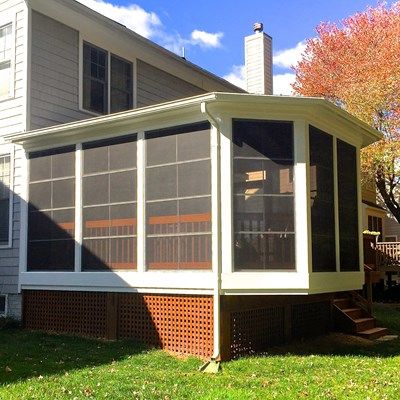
(374, 333)
(363, 324)
(354, 313)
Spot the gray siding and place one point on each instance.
(156, 86)
(13, 120)
(391, 227)
(12, 111)
(54, 73)
(9, 257)
(15, 306)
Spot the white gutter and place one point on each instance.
(216, 227)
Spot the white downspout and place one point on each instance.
(216, 226)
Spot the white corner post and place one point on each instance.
(360, 209)
(78, 207)
(216, 226)
(23, 245)
(336, 203)
(141, 203)
(226, 162)
(302, 198)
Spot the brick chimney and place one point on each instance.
(258, 61)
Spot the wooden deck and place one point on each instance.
(388, 256)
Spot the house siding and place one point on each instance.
(156, 86)
(9, 256)
(12, 111)
(54, 73)
(391, 227)
(13, 120)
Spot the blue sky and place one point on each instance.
(212, 32)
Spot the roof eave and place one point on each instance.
(306, 106)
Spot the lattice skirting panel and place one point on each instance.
(253, 331)
(252, 324)
(310, 319)
(180, 323)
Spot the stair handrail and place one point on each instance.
(361, 301)
(368, 268)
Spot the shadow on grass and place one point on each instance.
(340, 344)
(25, 354)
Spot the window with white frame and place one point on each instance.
(5, 179)
(5, 60)
(107, 81)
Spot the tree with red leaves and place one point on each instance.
(356, 65)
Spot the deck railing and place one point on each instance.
(179, 241)
(174, 241)
(388, 255)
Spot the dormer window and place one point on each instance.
(5, 60)
(107, 81)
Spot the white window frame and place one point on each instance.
(391, 236)
(8, 151)
(10, 19)
(109, 53)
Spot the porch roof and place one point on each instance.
(218, 103)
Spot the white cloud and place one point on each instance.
(132, 16)
(289, 57)
(206, 39)
(282, 83)
(149, 25)
(237, 76)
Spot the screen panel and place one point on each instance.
(348, 206)
(322, 201)
(178, 198)
(51, 210)
(263, 195)
(109, 205)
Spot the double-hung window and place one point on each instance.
(5, 61)
(5, 179)
(107, 81)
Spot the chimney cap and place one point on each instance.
(258, 27)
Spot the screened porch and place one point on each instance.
(247, 192)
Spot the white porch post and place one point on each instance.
(227, 235)
(78, 207)
(360, 211)
(336, 203)
(141, 204)
(302, 198)
(23, 245)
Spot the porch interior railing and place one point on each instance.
(173, 241)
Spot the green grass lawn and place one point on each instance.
(39, 366)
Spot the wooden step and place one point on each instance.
(343, 303)
(354, 313)
(374, 333)
(363, 324)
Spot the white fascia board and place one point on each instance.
(266, 281)
(325, 282)
(115, 37)
(168, 280)
(145, 118)
(311, 108)
(285, 108)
